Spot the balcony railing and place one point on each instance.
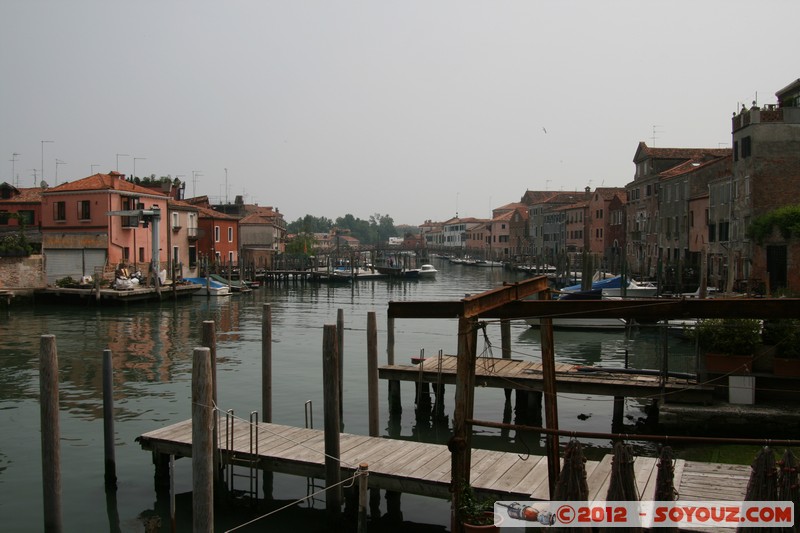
(192, 233)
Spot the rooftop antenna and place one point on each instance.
(226, 186)
(34, 175)
(14, 177)
(655, 134)
(195, 174)
(457, 203)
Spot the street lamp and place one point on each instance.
(124, 155)
(42, 169)
(58, 162)
(134, 165)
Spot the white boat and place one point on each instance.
(210, 287)
(487, 263)
(427, 271)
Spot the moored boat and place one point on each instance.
(427, 271)
(210, 286)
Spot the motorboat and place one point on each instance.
(212, 287)
(427, 271)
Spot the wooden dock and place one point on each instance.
(118, 296)
(527, 375)
(422, 468)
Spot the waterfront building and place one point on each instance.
(766, 176)
(79, 238)
(21, 209)
(218, 233)
(182, 236)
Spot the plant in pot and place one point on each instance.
(729, 343)
(474, 513)
(783, 337)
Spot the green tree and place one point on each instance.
(310, 224)
(301, 244)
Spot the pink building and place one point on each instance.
(80, 238)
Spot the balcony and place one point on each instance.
(176, 229)
(192, 233)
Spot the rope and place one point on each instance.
(350, 480)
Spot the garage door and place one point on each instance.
(73, 263)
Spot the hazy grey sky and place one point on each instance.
(409, 108)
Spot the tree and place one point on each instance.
(310, 224)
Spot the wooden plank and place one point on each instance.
(644, 469)
(517, 473)
(503, 467)
(598, 480)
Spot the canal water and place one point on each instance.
(152, 353)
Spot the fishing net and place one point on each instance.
(762, 485)
(788, 490)
(571, 485)
(665, 476)
(622, 485)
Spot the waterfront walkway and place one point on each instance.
(422, 468)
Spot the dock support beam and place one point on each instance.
(209, 334)
(395, 407)
(108, 421)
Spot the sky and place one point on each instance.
(414, 109)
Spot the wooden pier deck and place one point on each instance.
(422, 468)
(527, 375)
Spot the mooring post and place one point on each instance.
(51, 451)
(330, 393)
(266, 384)
(210, 342)
(363, 472)
(108, 421)
(202, 438)
(505, 343)
(550, 397)
(372, 373)
(340, 351)
(461, 442)
(372, 393)
(395, 407)
(266, 364)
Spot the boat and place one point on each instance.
(235, 285)
(605, 288)
(427, 271)
(487, 263)
(212, 287)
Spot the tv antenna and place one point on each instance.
(656, 131)
(14, 177)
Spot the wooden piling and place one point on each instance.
(108, 421)
(266, 364)
(363, 472)
(395, 407)
(51, 451)
(330, 393)
(266, 384)
(461, 442)
(202, 439)
(550, 397)
(505, 343)
(340, 344)
(210, 341)
(372, 374)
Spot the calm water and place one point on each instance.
(152, 351)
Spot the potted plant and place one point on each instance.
(477, 514)
(729, 343)
(783, 338)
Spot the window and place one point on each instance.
(192, 256)
(126, 254)
(746, 147)
(176, 221)
(712, 233)
(216, 233)
(230, 234)
(230, 258)
(26, 217)
(141, 254)
(735, 150)
(175, 255)
(129, 204)
(84, 210)
(3, 218)
(60, 211)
